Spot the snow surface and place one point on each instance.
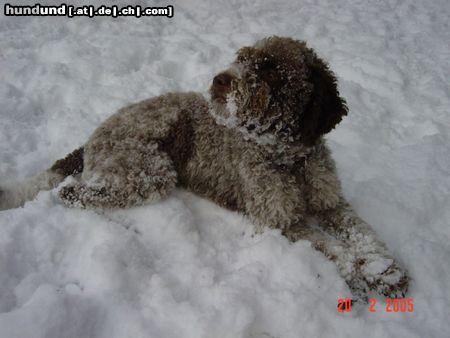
(185, 267)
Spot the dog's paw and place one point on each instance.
(385, 277)
(70, 196)
(359, 288)
(80, 195)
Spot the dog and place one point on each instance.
(255, 146)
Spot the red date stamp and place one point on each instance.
(392, 305)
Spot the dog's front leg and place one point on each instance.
(322, 186)
(372, 260)
(381, 271)
(273, 199)
(336, 251)
(325, 201)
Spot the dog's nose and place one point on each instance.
(223, 80)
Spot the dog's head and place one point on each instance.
(278, 91)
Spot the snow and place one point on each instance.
(184, 267)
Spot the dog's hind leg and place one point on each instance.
(130, 174)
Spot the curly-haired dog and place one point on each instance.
(255, 147)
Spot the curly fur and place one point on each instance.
(255, 147)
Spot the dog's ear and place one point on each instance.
(325, 108)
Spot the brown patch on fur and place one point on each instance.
(72, 164)
(179, 144)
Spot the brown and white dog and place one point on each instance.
(255, 147)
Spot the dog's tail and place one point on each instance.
(15, 195)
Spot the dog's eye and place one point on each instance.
(271, 76)
(267, 65)
(269, 72)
